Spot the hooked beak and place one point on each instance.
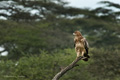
(74, 34)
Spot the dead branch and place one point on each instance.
(69, 67)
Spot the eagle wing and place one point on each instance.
(86, 46)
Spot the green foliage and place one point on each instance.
(22, 38)
(43, 67)
(106, 63)
(103, 64)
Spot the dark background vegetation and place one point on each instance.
(40, 44)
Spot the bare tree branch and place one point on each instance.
(69, 67)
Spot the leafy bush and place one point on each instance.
(105, 63)
(44, 67)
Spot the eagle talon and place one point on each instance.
(79, 57)
(82, 56)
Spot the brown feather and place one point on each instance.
(81, 46)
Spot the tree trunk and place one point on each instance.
(69, 67)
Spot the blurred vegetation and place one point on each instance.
(37, 34)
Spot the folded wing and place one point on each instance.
(86, 46)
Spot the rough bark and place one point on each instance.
(69, 67)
